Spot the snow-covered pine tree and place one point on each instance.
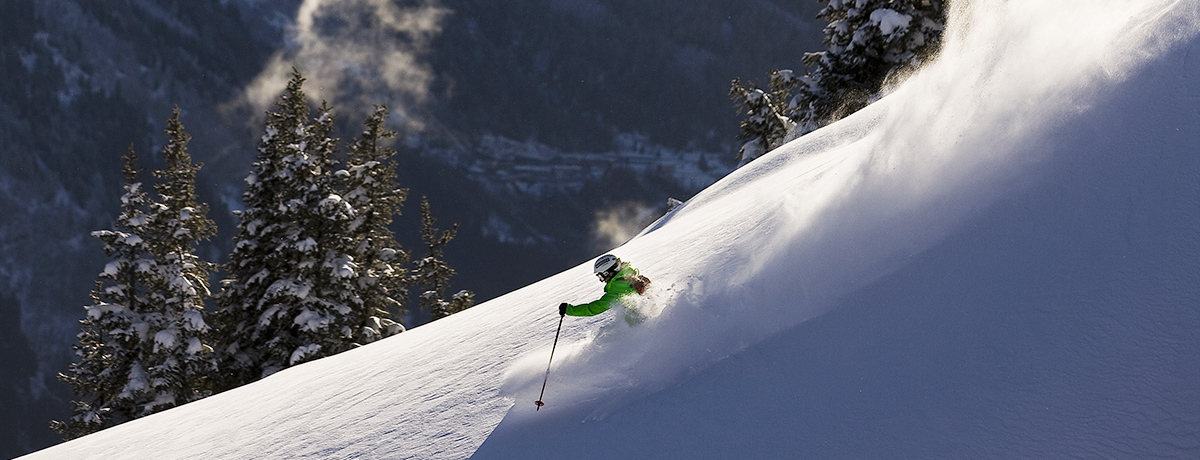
(766, 121)
(142, 345)
(180, 360)
(110, 377)
(289, 294)
(370, 188)
(868, 41)
(331, 322)
(433, 274)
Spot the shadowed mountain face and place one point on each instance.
(996, 260)
(534, 126)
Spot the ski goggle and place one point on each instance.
(606, 276)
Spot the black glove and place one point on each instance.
(562, 309)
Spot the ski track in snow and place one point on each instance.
(836, 215)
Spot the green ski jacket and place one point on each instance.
(627, 281)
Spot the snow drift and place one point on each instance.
(997, 260)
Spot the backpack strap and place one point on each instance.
(639, 282)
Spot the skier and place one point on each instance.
(620, 279)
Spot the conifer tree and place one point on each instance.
(868, 42)
(433, 274)
(335, 309)
(766, 121)
(289, 294)
(142, 345)
(110, 377)
(181, 351)
(371, 189)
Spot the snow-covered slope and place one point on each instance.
(998, 260)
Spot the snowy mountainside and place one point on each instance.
(997, 260)
(85, 79)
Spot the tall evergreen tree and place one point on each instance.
(142, 345)
(110, 377)
(766, 121)
(289, 294)
(868, 41)
(433, 274)
(371, 189)
(181, 351)
(334, 316)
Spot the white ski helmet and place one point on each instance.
(606, 266)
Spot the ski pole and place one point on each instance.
(552, 347)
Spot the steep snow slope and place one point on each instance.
(1010, 269)
(996, 261)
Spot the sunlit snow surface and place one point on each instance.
(1001, 259)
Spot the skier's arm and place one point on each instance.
(593, 308)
